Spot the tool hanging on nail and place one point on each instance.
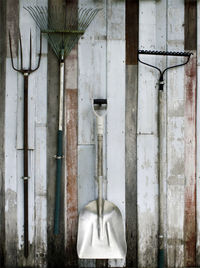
(63, 28)
(25, 72)
(164, 53)
(160, 129)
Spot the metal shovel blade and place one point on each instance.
(112, 244)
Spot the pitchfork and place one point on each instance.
(25, 72)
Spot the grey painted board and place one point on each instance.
(131, 163)
(2, 118)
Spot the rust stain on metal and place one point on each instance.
(71, 162)
(190, 163)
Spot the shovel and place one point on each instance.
(100, 227)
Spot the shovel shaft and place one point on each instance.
(160, 179)
(26, 165)
(100, 174)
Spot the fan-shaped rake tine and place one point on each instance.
(42, 16)
(90, 18)
(73, 20)
(34, 16)
(53, 45)
(84, 16)
(37, 18)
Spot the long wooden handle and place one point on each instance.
(160, 180)
(26, 175)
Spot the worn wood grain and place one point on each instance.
(132, 39)
(71, 162)
(10, 167)
(147, 185)
(2, 122)
(190, 163)
(116, 82)
(131, 164)
(92, 84)
(175, 138)
(190, 134)
(190, 24)
(132, 30)
(10, 184)
(56, 244)
(40, 168)
(198, 141)
(86, 184)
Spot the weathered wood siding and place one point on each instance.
(104, 65)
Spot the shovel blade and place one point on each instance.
(112, 243)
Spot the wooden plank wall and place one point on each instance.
(132, 35)
(104, 65)
(197, 141)
(173, 26)
(2, 120)
(18, 17)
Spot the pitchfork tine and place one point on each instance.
(21, 53)
(30, 51)
(11, 54)
(40, 53)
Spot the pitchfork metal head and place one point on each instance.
(23, 70)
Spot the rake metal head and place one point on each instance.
(22, 69)
(63, 26)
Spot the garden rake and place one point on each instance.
(160, 123)
(63, 28)
(25, 72)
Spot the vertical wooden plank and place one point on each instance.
(132, 18)
(86, 184)
(175, 138)
(198, 140)
(190, 134)
(10, 141)
(116, 109)
(71, 143)
(161, 62)
(71, 162)
(2, 122)
(10, 167)
(26, 22)
(56, 243)
(147, 184)
(91, 84)
(40, 168)
(92, 70)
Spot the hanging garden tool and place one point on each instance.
(160, 131)
(100, 228)
(63, 28)
(25, 72)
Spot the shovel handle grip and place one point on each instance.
(100, 101)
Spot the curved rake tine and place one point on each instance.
(11, 54)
